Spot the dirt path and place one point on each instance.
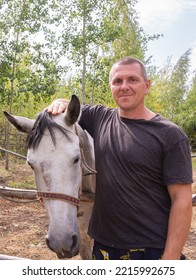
(22, 230)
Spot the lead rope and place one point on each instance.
(17, 200)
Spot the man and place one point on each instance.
(143, 201)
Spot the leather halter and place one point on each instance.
(61, 196)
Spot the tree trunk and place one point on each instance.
(7, 144)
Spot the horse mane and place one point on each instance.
(43, 121)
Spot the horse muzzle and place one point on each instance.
(67, 249)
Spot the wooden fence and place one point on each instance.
(17, 139)
(11, 139)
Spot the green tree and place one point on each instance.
(179, 87)
(99, 33)
(25, 65)
(28, 49)
(187, 116)
(171, 95)
(170, 86)
(82, 38)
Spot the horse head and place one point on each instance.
(54, 154)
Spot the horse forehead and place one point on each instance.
(60, 119)
(71, 130)
(64, 148)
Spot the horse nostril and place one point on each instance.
(48, 244)
(75, 241)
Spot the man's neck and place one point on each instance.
(144, 114)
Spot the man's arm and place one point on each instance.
(179, 220)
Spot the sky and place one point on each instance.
(176, 20)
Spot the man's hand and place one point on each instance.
(58, 106)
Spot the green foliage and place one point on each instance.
(171, 96)
(99, 33)
(54, 48)
(186, 118)
(31, 66)
(37, 35)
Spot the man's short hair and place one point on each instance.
(127, 61)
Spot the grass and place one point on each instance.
(18, 176)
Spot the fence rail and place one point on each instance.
(7, 257)
(13, 153)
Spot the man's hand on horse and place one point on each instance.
(58, 106)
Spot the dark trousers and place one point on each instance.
(103, 252)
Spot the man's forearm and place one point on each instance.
(178, 229)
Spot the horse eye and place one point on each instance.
(76, 160)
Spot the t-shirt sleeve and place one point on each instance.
(91, 116)
(177, 165)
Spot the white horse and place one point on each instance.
(60, 153)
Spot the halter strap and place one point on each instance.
(61, 196)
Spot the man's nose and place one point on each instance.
(125, 85)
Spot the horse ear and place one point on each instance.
(73, 111)
(21, 123)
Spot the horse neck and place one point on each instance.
(86, 143)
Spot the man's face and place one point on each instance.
(128, 87)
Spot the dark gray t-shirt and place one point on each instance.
(135, 161)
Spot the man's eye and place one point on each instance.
(133, 80)
(116, 82)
